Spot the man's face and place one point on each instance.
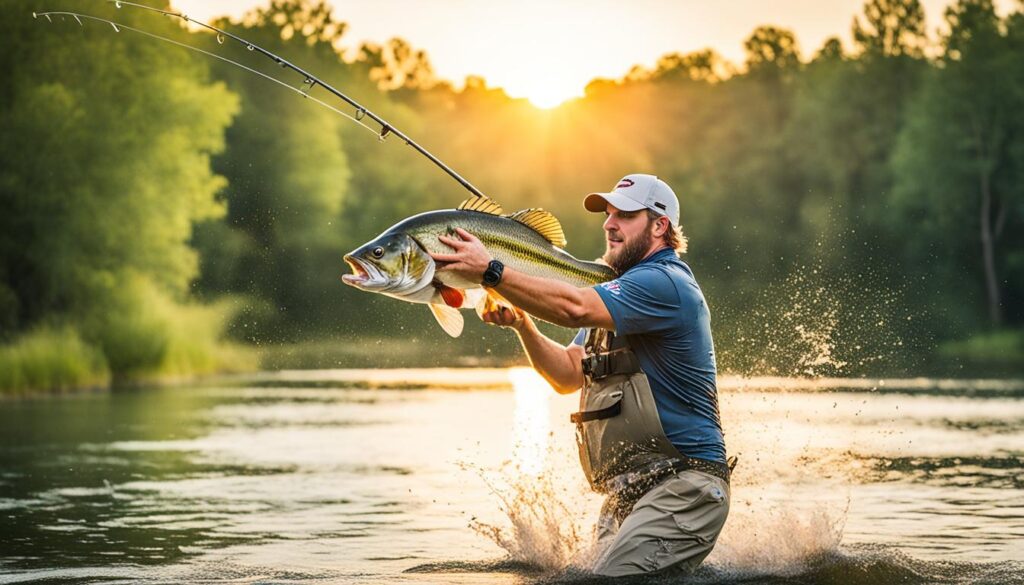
(628, 238)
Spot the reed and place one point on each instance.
(51, 358)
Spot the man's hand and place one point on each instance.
(470, 258)
(502, 314)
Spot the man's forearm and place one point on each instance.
(554, 301)
(558, 365)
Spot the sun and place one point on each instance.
(544, 91)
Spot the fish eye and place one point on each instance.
(378, 252)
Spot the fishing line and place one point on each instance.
(121, 27)
(310, 81)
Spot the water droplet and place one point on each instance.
(250, 47)
(117, 4)
(220, 38)
(115, 27)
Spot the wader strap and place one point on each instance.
(602, 365)
(589, 415)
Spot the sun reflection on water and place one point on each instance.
(531, 426)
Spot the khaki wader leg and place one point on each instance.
(672, 528)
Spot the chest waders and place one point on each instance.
(617, 429)
(622, 446)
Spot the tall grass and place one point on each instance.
(996, 353)
(51, 359)
(135, 334)
(195, 342)
(146, 335)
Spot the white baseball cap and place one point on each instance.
(636, 192)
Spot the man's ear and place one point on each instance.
(660, 226)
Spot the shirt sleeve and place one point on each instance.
(643, 300)
(581, 337)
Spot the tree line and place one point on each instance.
(848, 212)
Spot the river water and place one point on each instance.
(470, 476)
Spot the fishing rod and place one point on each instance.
(309, 83)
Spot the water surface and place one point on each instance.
(469, 476)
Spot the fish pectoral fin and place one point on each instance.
(453, 297)
(448, 318)
(541, 222)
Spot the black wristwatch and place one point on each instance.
(492, 276)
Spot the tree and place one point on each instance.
(104, 160)
(959, 149)
(891, 28)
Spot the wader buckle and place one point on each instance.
(595, 367)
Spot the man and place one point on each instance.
(648, 429)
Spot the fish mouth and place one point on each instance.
(361, 276)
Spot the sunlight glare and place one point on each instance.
(531, 420)
(547, 90)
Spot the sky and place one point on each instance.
(547, 51)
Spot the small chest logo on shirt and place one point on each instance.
(612, 287)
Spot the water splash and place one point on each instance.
(814, 324)
(776, 537)
(542, 530)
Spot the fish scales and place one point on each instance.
(509, 241)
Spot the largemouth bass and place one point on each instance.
(397, 263)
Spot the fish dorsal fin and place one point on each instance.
(448, 318)
(482, 204)
(543, 223)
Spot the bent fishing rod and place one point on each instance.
(310, 81)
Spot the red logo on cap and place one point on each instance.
(625, 183)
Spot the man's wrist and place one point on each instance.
(492, 275)
(523, 324)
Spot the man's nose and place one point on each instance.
(610, 223)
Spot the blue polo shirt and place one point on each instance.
(659, 309)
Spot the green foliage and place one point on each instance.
(833, 205)
(106, 143)
(891, 28)
(145, 334)
(50, 358)
(1005, 346)
(959, 169)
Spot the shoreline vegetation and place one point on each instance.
(164, 344)
(852, 209)
(56, 359)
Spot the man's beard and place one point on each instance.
(629, 253)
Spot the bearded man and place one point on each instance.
(648, 430)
